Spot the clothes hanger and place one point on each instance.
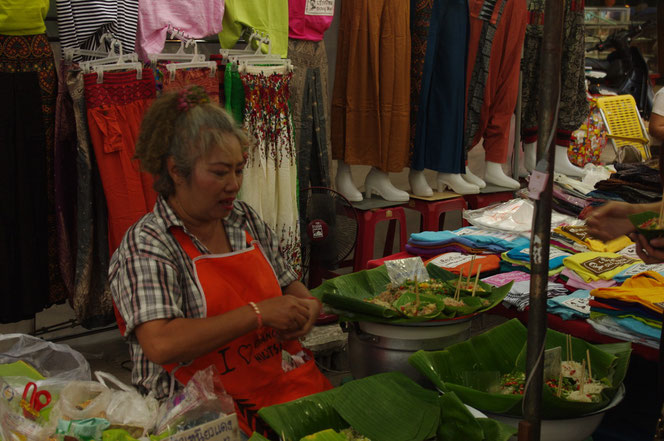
(266, 66)
(212, 65)
(257, 56)
(180, 55)
(120, 64)
(87, 66)
(71, 52)
(247, 49)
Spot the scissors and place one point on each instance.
(34, 400)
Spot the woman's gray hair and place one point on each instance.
(194, 132)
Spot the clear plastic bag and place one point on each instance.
(80, 400)
(202, 399)
(128, 409)
(53, 361)
(411, 268)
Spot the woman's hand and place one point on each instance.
(314, 306)
(610, 220)
(649, 252)
(285, 313)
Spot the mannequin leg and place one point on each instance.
(563, 164)
(495, 175)
(418, 183)
(530, 156)
(456, 183)
(344, 183)
(472, 179)
(378, 182)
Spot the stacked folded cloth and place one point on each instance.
(571, 306)
(467, 240)
(579, 236)
(519, 295)
(591, 266)
(521, 257)
(634, 183)
(632, 311)
(573, 281)
(466, 264)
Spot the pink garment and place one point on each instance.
(575, 281)
(309, 19)
(194, 18)
(504, 278)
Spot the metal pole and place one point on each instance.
(550, 59)
(516, 150)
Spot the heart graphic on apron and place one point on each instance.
(245, 352)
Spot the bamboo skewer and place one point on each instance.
(457, 292)
(661, 214)
(560, 385)
(477, 277)
(583, 376)
(470, 270)
(590, 370)
(417, 295)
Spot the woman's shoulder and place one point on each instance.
(149, 236)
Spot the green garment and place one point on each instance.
(268, 17)
(23, 17)
(234, 91)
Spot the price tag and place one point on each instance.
(537, 183)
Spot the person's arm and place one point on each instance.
(611, 220)
(167, 341)
(656, 126)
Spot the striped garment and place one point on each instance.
(81, 22)
(152, 277)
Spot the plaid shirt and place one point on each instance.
(152, 277)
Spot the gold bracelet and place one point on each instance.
(258, 314)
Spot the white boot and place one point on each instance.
(378, 182)
(563, 164)
(456, 183)
(344, 183)
(418, 183)
(495, 175)
(530, 156)
(473, 179)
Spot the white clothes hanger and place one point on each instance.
(71, 52)
(247, 49)
(120, 64)
(212, 65)
(180, 55)
(266, 66)
(87, 66)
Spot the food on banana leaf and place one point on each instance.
(352, 435)
(414, 309)
(449, 301)
(651, 224)
(577, 385)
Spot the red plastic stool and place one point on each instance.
(367, 220)
(433, 212)
(480, 200)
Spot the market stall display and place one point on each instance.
(400, 409)
(502, 350)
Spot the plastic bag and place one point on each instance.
(127, 409)
(53, 361)
(50, 366)
(203, 399)
(411, 268)
(13, 425)
(81, 400)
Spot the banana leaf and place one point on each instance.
(325, 435)
(382, 407)
(409, 297)
(347, 294)
(502, 349)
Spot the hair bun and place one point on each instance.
(192, 96)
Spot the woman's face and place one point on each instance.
(215, 180)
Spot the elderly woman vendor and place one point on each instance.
(200, 281)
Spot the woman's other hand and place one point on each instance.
(285, 313)
(611, 220)
(314, 307)
(649, 251)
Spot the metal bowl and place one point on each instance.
(567, 429)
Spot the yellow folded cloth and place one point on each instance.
(646, 288)
(579, 234)
(598, 266)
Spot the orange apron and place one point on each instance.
(250, 366)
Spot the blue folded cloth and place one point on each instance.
(556, 256)
(571, 306)
(484, 241)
